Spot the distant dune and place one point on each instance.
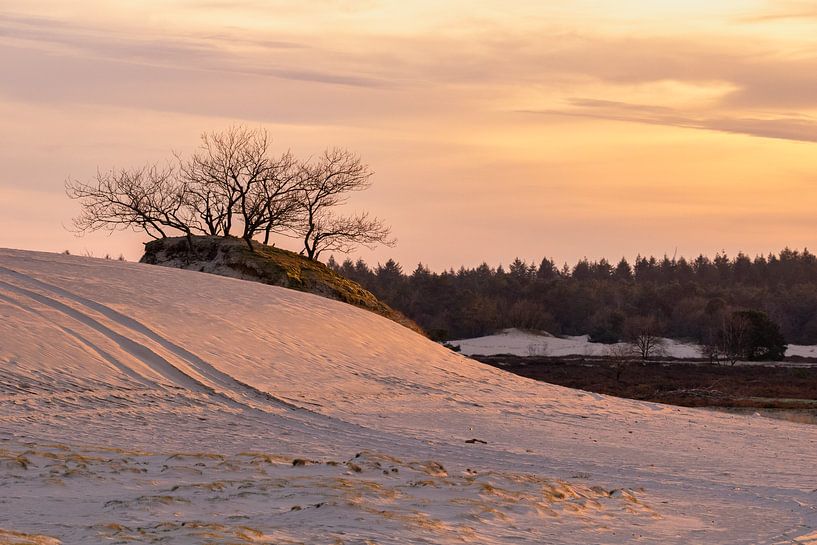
(518, 342)
(149, 404)
(529, 343)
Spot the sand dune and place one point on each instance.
(143, 404)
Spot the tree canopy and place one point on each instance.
(234, 185)
(680, 298)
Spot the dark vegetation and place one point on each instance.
(698, 300)
(265, 264)
(678, 383)
(747, 335)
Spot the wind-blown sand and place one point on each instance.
(146, 404)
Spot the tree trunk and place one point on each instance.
(190, 251)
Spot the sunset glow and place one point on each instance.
(495, 129)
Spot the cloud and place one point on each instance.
(782, 10)
(188, 53)
(62, 32)
(775, 83)
(787, 128)
(477, 55)
(416, 71)
(67, 81)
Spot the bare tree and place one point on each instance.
(234, 184)
(150, 198)
(621, 357)
(733, 337)
(538, 350)
(325, 184)
(275, 200)
(206, 203)
(711, 347)
(233, 179)
(728, 342)
(642, 334)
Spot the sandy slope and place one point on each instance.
(159, 405)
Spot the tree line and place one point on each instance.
(233, 185)
(713, 301)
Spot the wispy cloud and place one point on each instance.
(800, 128)
(782, 10)
(204, 52)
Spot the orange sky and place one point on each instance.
(496, 129)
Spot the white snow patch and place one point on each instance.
(805, 351)
(526, 343)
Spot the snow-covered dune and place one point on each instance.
(145, 404)
(526, 343)
(518, 342)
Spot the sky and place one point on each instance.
(496, 130)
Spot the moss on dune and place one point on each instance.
(266, 264)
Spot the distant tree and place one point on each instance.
(520, 272)
(621, 358)
(645, 269)
(715, 306)
(582, 270)
(607, 326)
(325, 184)
(390, 272)
(565, 272)
(684, 272)
(723, 265)
(421, 272)
(666, 269)
(734, 337)
(687, 299)
(547, 270)
(746, 335)
(742, 268)
(642, 334)
(808, 331)
(687, 318)
(526, 314)
(710, 349)
(362, 270)
(705, 272)
(623, 271)
(601, 270)
(764, 341)
(390, 280)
